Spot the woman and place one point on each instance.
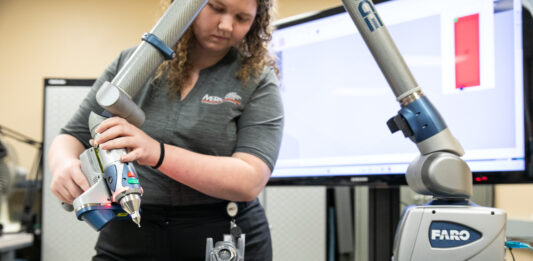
(218, 112)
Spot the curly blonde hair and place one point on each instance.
(253, 49)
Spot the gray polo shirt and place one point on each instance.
(220, 116)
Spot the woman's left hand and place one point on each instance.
(117, 133)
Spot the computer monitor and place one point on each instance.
(465, 54)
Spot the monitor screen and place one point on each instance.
(466, 55)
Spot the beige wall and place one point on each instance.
(59, 38)
(287, 8)
(78, 39)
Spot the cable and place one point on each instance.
(28, 218)
(512, 255)
(517, 244)
(19, 136)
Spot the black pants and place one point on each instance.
(180, 233)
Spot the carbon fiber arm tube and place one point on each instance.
(439, 171)
(116, 96)
(380, 43)
(145, 60)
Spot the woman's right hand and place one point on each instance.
(68, 181)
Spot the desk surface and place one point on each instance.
(15, 241)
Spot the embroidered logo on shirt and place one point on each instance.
(232, 97)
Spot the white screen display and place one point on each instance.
(337, 101)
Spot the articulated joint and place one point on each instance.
(418, 119)
(119, 103)
(152, 39)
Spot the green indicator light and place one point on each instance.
(133, 181)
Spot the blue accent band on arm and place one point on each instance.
(152, 39)
(106, 114)
(423, 119)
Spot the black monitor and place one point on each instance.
(467, 56)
